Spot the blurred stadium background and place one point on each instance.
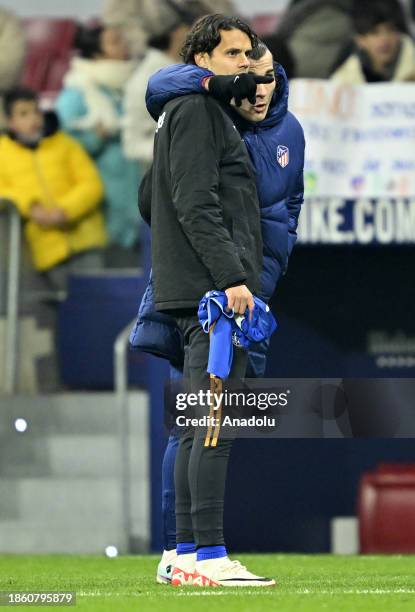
(81, 419)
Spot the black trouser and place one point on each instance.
(200, 472)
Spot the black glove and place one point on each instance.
(238, 86)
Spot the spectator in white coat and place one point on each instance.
(167, 25)
(132, 17)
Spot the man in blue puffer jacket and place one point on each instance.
(275, 141)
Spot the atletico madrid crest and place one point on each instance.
(283, 156)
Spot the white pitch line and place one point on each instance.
(246, 591)
(263, 591)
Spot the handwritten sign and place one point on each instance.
(360, 139)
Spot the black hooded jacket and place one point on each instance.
(203, 205)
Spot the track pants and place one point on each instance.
(200, 472)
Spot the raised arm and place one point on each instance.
(172, 82)
(184, 79)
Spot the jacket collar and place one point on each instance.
(27, 144)
(51, 126)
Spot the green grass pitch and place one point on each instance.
(304, 583)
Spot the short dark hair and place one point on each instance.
(367, 14)
(16, 95)
(259, 51)
(205, 36)
(88, 41)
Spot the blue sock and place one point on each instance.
(211, 552)
(185, 548)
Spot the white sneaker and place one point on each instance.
(183, 570)
(165, 567)
(227, 573)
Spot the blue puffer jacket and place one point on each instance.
(155, 332)
(276, 146)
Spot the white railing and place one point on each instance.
(12, 270)
(15, 296)
(10, 352)
(121, 393)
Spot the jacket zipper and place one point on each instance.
(256, 136)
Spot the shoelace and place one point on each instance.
(232, 566)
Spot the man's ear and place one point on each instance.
(201, 59)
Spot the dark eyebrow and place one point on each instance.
(235, 50)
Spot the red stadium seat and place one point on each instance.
(49, 50)
(386, 510)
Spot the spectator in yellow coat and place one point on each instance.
(56, 188)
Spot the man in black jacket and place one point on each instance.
(206, 234)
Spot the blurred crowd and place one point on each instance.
(73, 173)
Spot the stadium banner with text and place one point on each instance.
(359, 222)
(360, 162)
(360, 139)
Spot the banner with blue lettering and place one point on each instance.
(359, 169)
(364, 221)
